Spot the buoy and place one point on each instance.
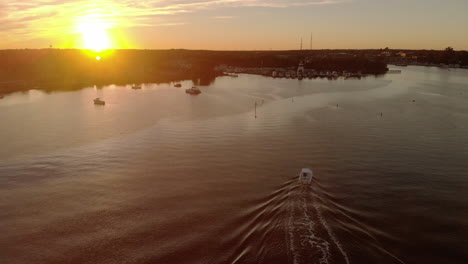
(255, 109)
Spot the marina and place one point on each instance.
(299, 72)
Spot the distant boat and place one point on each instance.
(178, 85)
(98, 101)
(136, 87)
(305, 176)
(193, 91)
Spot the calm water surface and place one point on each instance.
(158, 176)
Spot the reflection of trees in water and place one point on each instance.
(51, 86)
(204, 81)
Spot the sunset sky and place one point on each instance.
(234, 24)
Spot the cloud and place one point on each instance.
(23, 19)
(224, 17)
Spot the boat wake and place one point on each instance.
(310, 238)
(289, 226)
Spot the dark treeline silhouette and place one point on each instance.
(68, 69)
(52, 69)
(354, 64)
(327, 60)
(447, 56)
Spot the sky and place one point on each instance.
(234, 24)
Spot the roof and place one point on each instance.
(306, 170)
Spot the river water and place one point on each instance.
(159, 176)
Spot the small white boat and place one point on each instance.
(305, 176)
(136, 87)
(98, 101)
(194, 91)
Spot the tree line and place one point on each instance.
(52, 69)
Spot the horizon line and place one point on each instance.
(220, 50)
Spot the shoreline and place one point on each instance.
(9, 87)
(63, 86)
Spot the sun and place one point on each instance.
(94, 35)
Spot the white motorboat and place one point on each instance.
(305, 176)
(98, 101)
(193, 91)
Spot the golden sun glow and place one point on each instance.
(94, 35)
